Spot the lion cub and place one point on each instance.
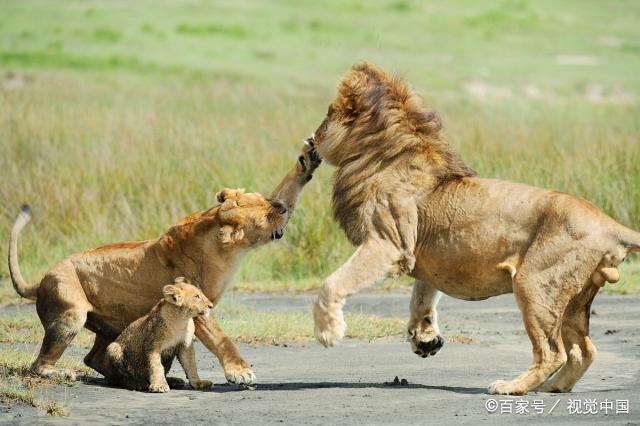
(142, 354)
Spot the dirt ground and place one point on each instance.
(353, 383)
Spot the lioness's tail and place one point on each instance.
(21, 286)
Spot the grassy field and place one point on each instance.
(118, 118)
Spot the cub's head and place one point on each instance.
(249, 219)
(191, 301)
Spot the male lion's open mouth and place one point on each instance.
(277, 233)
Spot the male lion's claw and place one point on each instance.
(240, 377)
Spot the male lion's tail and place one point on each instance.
(630, 239)
(25, 290)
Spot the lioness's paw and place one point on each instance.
(201, 384)
(503, 387)
(62, 373)
(329, 323)
(240, 376)
(159, 387)
(309, 160)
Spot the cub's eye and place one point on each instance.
(198, 296)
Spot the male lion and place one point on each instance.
(141, 356)
(411, 206)
(107, 288)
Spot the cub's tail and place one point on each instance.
(25, 290)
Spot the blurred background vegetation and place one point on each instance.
(118, 118)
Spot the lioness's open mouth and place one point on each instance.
(277, 233)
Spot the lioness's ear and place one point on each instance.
(226, 193)
(172, 294)
(227, 234)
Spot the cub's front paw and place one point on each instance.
(329, 322)
(240, 375)
(159, 387)
(201, 384)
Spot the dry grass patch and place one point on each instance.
(18, 384)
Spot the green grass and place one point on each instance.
(238, 321)
(119, 118)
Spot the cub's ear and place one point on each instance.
(180, 280)
(173, 294)
(227, 234)
(226, 193)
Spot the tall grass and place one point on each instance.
(121, 118)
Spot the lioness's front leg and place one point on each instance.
(423, 332)
(236, 369)
(372, 262)
(290, 188)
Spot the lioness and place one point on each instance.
(141, 356)
(412, 206)
(107, 288)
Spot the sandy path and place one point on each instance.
(346, 384)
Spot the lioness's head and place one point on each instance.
(189, 298)
(369, 103)
(249, 219)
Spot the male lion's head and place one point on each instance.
(249, 219)
(373, 107)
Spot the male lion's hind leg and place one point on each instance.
(372, 262)
(543, 308)
(581, 352)
(423, 332)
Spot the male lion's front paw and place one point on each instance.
(504, 387)
(159, 387)
(201, 384)
(329, 322)
(429, 347)
(240, 375)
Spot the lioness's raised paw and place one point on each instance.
(504, 387)
(240, 375)
(159, 387)
(201, 384)
(329, 322)
(310, 159)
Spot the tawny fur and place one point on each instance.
(107, 288)
(411, 206)
(141, 356)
